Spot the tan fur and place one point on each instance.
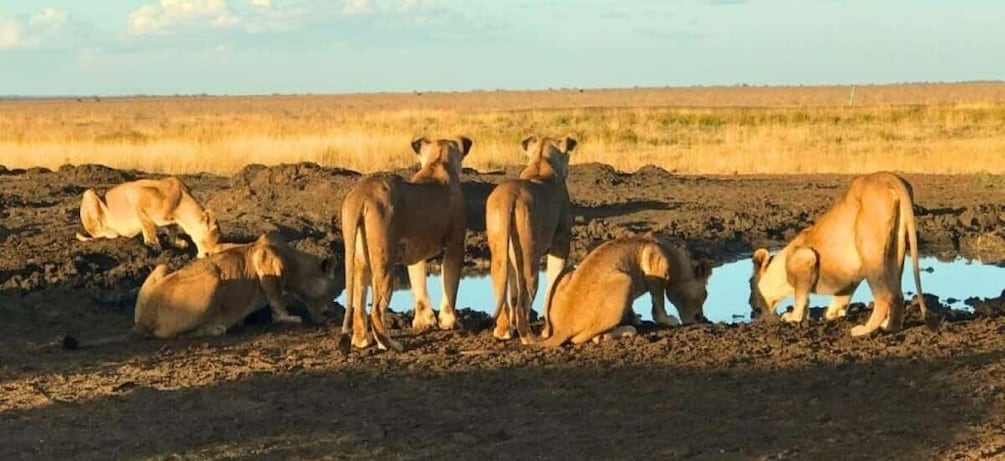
(387, 220)
(862, 236)
(139, 207)
(526, 218)
(208, 296)
(593, 298)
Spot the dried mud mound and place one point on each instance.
(717, 217)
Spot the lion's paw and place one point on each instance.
(390, 344)
(502, 335)
(860, 330)
(834, 314)
(790, 317)
(424, 320)
(668, 321)
(362, 342)
(448, 321)
(286, 318)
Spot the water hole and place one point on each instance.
(728, 289)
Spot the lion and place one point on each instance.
(141, 206)
(861, 236)
(210, 295)
(387, 220)
(526, 218)
(593, 298)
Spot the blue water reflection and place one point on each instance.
(728, 289)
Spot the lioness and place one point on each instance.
(208, 296)
(593, 298)
(386, 220)
(525, 218)
(141, 206)
(862, 236)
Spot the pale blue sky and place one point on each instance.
(335, 46)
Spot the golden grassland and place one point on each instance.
(919, 128)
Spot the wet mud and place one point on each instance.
(748, 391)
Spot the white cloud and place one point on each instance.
(169, 14)
(355, 7)
(38, 29)
(10, 33)
(49, 19)
(166, 17)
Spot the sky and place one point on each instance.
(124, 47)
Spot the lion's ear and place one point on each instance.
(208, 217)
(703, 269)
(761, 259)
(464, 143)
(568, 144)
(417, 143)
(527, 140)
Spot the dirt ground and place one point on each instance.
(748, 391)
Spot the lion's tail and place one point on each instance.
(501, 268)
(352, 221)
(559, 336)
(908, 226)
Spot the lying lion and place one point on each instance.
(526, 218)
(862, 236)
(387, 220)
(208, 296)
(139, 207)
(593, 298)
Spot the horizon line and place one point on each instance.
(495, 90)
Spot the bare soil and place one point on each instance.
(748, 391)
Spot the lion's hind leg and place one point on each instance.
(504, 288)
(357, 318)
(603, 306)
(876, 246)
(380, 254)
(883, 301)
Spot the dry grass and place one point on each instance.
(952, 128)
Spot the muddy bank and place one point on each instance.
(747, 391)
(718, 217)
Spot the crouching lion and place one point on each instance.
(208, 296)
(141, 206)
(387, 220)
(861, 236)
(593, 298)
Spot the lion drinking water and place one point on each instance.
(593, 298)
(862, 236)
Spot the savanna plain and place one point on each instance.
(721, 169)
